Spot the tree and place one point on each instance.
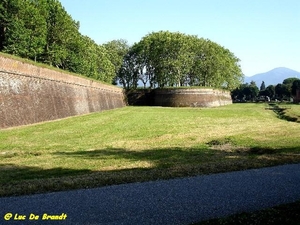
(139, 60)
(116, 50)
(239, 93)
(282, 91)
(295, 86)
(288, 83)
(262, 86)
(246, 92)
(90, 59)
(270, 91)
(105, 68)
(61, 29)
(251, 91)
(128, 73)
(23, 30)
(165, 53)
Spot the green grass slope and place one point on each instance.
(143, 143)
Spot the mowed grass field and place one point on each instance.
(135, 144)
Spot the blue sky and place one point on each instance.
(263, 34)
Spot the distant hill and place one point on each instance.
(273, 77)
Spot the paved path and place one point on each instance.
(178, 201)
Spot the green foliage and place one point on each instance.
(116, 49)
(43, 31)
(281, 91)
(288, 85)
(23, 30)
(167, 59)
(295, 86)
(262, 86)
(128, 73)
(60, 31)
(289, 81)
(246, 92)
(270, 91)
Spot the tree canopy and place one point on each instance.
(166, 59)
(43, 31)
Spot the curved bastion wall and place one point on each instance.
(31, 94)
(194, 97)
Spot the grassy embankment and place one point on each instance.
(143, 143)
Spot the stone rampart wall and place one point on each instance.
(31, 94)
(194, 97)
(180, 97)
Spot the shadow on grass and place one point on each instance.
(181, 162)
(126, 166)
(158, 157)
(22, 180)
(11, 172)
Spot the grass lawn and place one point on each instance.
(136, 144)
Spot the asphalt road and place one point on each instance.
(177, 201)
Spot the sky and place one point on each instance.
(263, 34)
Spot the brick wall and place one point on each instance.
(180, 97)
(199, 97)
(30, 94)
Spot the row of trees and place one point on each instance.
(250, 92)
(43, 31)
(164, 58)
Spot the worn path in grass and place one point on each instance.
(177, 201)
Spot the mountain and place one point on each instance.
(273, 77)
